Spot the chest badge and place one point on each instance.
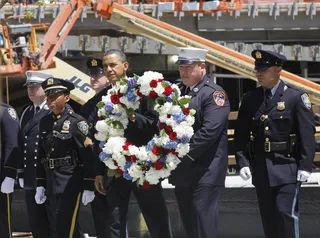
(281, 106)
(66, 126)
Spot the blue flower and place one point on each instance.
(149, 164)
(101, 144)
(127, 165)
(104, 156)
(185, 139)
(126, 175)
(117, 114)
(150, 145)
(132, 82)
(108, 107)
(163, 158)
(179, 117)
(172, 144)
(131, 96)
(169, 99)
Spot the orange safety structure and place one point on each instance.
(137, 23)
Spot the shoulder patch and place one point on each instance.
(219, 98)
(83, 127)
(87, 142)
(306, 100)
(12, 113)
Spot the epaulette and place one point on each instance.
(75, 115)
(294, 88)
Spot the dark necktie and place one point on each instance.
(37, 110)
(267, 96)
(187, 91)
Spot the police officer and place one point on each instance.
(64, 167)
(140, 130)
(202, 171)
(275, 136)
(9, 158)
(105, 215)
(39, 215)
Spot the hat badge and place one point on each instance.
(94, 62)
(258, 55)
(281, 106)
(50, 81)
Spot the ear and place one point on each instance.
(203, 65)
(67, 98)
(279, 70)
(126, 65)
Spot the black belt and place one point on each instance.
(52, 163)
(275, 146)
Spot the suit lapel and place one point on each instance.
(35, 120)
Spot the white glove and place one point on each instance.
(303, 175)
(87, 197)
(40, 196)
(245, 173)
(21, 182)
(7, 185)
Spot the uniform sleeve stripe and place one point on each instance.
(8, 167)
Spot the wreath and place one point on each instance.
(151, 163)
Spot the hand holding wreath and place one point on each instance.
(150, 163)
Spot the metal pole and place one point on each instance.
(235, 76)
(7, 89)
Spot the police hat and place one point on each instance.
(36, 77)
(95, 66)
(55, 85)
(191, 55)
(265, 59)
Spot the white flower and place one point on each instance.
(123, 89)
(151, 176)
(135, 172)
(100, 136)
(109, 163)
(101, 126)
(183, 149)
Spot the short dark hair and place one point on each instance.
(122, 56)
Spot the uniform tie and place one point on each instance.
(187, 91)
(37, 110)
(267, 94)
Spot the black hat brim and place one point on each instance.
(179, 62)
(96, 70)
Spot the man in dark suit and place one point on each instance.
(9, 158)
(39, 215)
(105, 213)
(203, 170)
(275, 136)
(140, 130)
(65, 164)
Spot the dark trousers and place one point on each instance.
(40, 216)
(198, 208)
(154, 210)
(151, 202)
(5, 215)
(279, 209)
(66, 211)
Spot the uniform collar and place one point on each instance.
(274, 89)
(61, 115)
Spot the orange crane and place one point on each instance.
(137, 23)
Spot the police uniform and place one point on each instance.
(275, 134)
(202, 171)
(10, 153)
(39, 214)
(64, 164)
(105, 215)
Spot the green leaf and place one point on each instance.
(112, 172)
(164, 84)
(117, 125)
(117, 175)
(100, 105)
(184, 100)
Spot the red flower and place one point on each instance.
(120, 94)
(133, 158)
(100, 118)
(162, 125)
(140, 94)
(167, 90)
(119, 171)
(146, 185)
(169, 115)
(99, 149)
(115, 163)
(173, 136)
(158, 165)
(156, 150)
(160, 80)
(153, 95)
(153, 83)
(168, 130)
(126, 145)
(174, 152)
(115, 99)
(186, 111)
